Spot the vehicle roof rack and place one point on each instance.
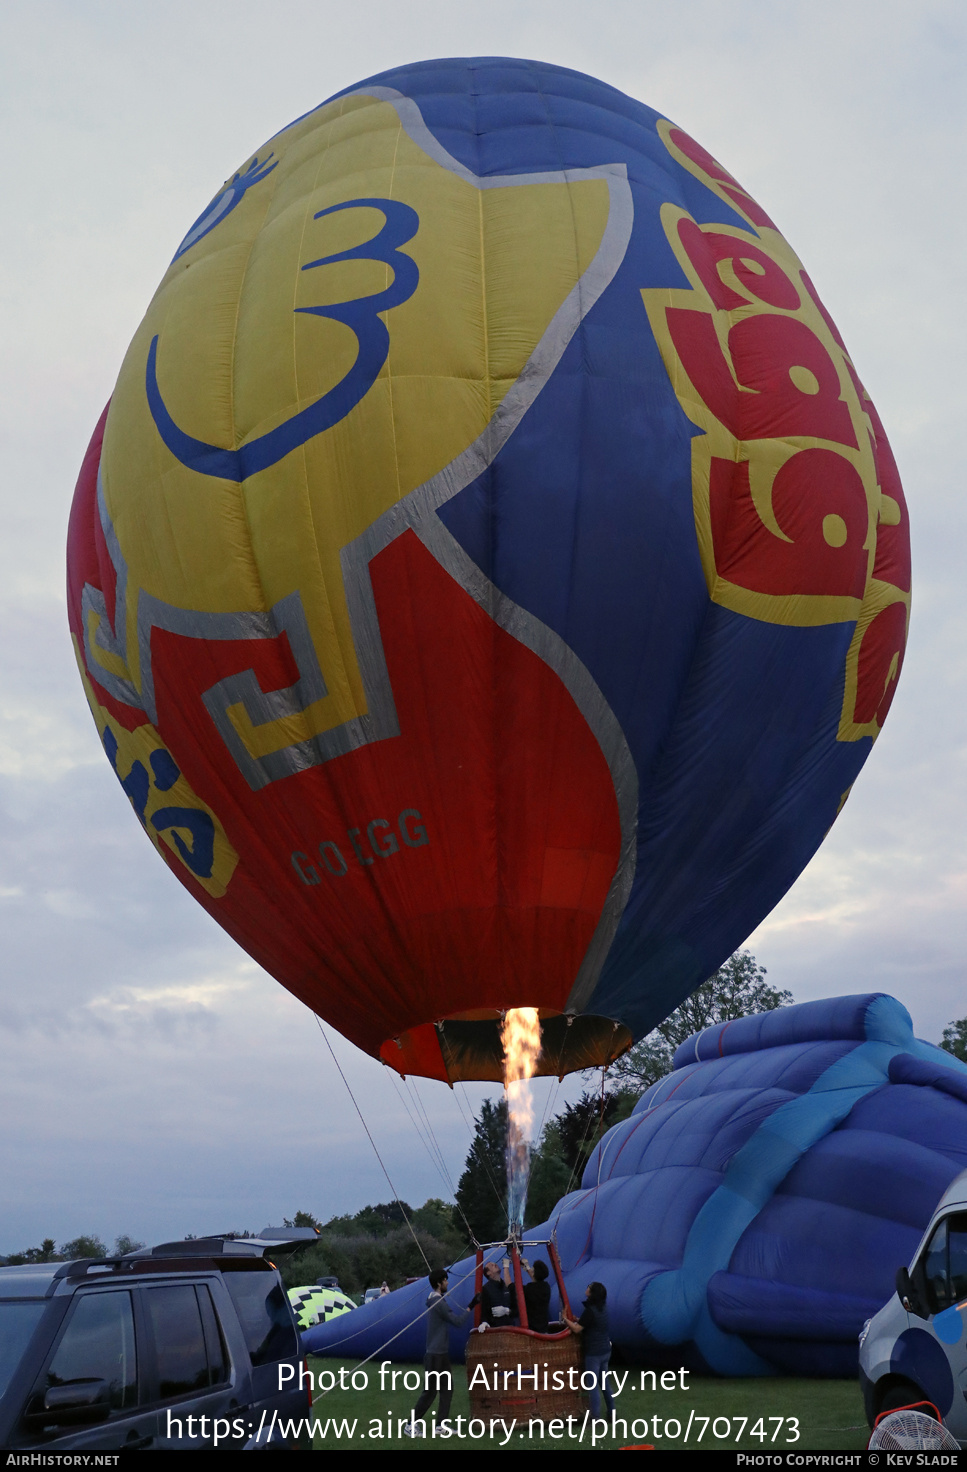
(277, 1241)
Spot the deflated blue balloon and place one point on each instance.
(752, 1212)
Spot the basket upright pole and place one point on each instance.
(478, 1287)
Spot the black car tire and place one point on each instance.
(903, 1393)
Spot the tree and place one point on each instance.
(371, 1221)
(737, 989)
(83, 1247)
(302, 1219)
(46, 1252)
(551, 1176)
(482, 1189)
(125, 1244)
(581, 1125)
(566, 1144)
(435, 1217)
(954, 1039)
(377, 1243)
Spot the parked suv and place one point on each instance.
(189, 1345)
(915, 1348)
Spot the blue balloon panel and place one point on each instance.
(753, 1210)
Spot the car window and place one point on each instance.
(18, 1320)
(957, 1256)
(98, 1344)
(935, 1269)
(214, 1340)
(187, 1358)
(265, 1315)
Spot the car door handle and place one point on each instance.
(134, 1441)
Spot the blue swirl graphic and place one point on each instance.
(401, 223)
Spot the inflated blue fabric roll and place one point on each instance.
(753, 1210)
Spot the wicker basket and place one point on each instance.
(502, 1353)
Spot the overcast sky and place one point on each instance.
(153, 1080)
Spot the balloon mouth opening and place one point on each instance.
(468, 1046)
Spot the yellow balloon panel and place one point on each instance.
(240, 350)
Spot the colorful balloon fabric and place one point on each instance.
(752, 1212)
(314, 1305)
(490, 574)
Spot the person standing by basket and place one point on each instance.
(596, 1330)
(439, 1317)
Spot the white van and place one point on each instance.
(915, 1348)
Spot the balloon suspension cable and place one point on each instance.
(373, 1143)
(470, 1123)
(550, 1099)
(432, 1147)
(589, 1125)
(520, 1035)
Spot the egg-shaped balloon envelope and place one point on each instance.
(490, 574)
(754, 1209)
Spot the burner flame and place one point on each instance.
(520, 1035)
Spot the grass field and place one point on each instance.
(756, 1415)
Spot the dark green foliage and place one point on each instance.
(567, 1141)
(482, 1189)
(374, 1221)
(125, 1244)
(302, 1219)
(954, 1039)
(83, 1247)
(550, 1177)
(46, 1252)
(79, 1247)
(737, 989)
(376, 1245)
(437, 1218)
(581, 1125)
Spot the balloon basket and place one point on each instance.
(515, 1372)
(513, 1366)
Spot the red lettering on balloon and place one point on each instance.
(766, 351)
(793, 382)
(760, 276)
(892, 562)
(807, 282)
(722, 177)
(697, 346)
(877, 673)
(819, 502)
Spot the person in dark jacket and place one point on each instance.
(537, 1295)
(594, 1326)
(439, 1317)
(496, 1305)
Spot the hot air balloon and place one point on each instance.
(753, 1210)
(490, 574)
(315, 1305)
